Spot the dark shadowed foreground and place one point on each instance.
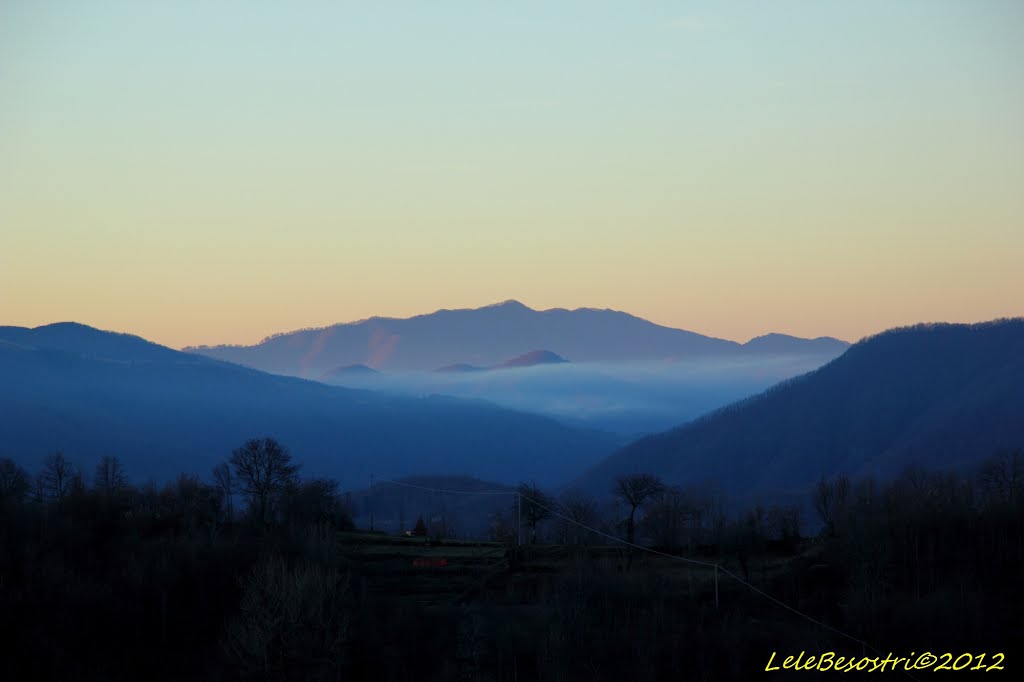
(117, 582)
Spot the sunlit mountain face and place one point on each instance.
(504, 333)
(600, 368)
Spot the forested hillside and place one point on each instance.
(936, 395)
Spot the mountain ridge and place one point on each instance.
(907, 396)
(487, 336)
(163, 411)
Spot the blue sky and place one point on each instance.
(214, 172)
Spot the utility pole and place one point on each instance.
(716, 587)
(519, 519)
(370, 496)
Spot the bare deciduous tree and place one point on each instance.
(314, 501)
(190, 500)
(667, 517)
(580, 510)
(263, 468)
(744, 538)
(292, 623)
(57, 478)
(501, 528)
(830, 499)
(784, 524)
(635, 490)
(225, 483)
(1002, 479)
(14, 481)
(110, 478)
(534, 507)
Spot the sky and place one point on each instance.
(201, 173)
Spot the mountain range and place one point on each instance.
(490, 335)
(534, 358)
(941, 395)
(944, 396)
(92, 393)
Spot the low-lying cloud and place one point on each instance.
(627, 398)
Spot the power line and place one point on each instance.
(453, 492)
(715, 566)
(612, 537)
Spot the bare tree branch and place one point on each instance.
(263, 468)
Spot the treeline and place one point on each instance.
(642, 509)
(261, 472)
(929, 561)
(245, 575)
(112, 581)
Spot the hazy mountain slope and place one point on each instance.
(782, 344)
(533, 358)
(340, 373)
(484, 336)
(163, 412)
(81, 339)
(942, 395)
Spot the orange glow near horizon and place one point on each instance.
(204, 175)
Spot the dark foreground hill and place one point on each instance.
(91, 393)
(945, 396)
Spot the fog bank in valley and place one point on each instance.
(627, 398)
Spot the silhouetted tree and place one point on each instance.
(292, 623)
(580, 510)
(830, 499)
(1002, 479)
(57, 478)
(314, 501)
(14, 481)
(535, 506)
(190, 501)
(263, 468)
(501, 528)
(667, 516)
(784, 524)
(635, 490)
(744, 538)
(110, 479)
(225, 482)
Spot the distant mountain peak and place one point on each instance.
(68, 325)
(461, 367)
(78, 338)
(81, 329)
(489, 335)
(775, 342)
(535, 357)
(510, 304)
(771, 335)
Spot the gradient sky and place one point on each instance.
(211, 172)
